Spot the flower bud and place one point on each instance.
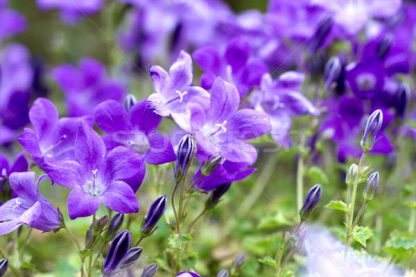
(129, 101)
(333, 69)
(188, 274)
(384, 47)
(372, 184)
(115, 224)
(132, 255)
(157, 209)
(373, 125)
(402, 99)
(320, 34)
(4, 263)
(312, 199)
(352, 174)
(95, 228)
(185, 154)
(212, 164)
(238, 261)
(217, 193)
(223, 273)
(117, 251)
(150, 270)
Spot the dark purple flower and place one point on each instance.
(28, 206)
(11, 21)
(156, 211)
(223, 129)
(312, 199)
(174, 94)
(235, 65)
(372, 184)
(372, 127)
(150, 270)
(185, 153)
(118, 249)
(99, 177)
(4, 263)
(217, 193)
(72, 11)
(20, 164)
(366, 78)
(87, 86)
(282, 99)
(131, 256)
(115, 223)
(134, 129)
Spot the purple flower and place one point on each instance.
(51, 141)
(28, 206)
(223, 129)
(134, 129)
(228, 172)
(11, 21)
(156, 211)
(281, 99)
(86, 87)
(174, 93)
(100, 177)
(20, 164)
(72, 11)
(188, 274)
(235, 65)
(118, 249)
(352, 15)
(15, 86)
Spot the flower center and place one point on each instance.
(180, 97)
(51, 149)
(93, 186)
(366, 82)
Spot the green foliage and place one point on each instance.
(362, 235)
(337, 205)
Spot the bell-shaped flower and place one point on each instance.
(174, 93)
(28, 206)
(135, 129)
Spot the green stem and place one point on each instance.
(92, 249)
(139, 241)
(201, 214)
(299, 182)
(174, 207)
(359, 214)
(412, 222)
(22, 249)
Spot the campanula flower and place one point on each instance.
(174, 94)
(11, 21)
(156, 211)
(20, 164)
(134, 129)
(86, 86)
(188, 274)
(99, 177)
(28, 207)
(223, 129)
(282, 99)
(235, 65)
(118, 249)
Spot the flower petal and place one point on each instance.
(239, 152)
(20, 164)
(209, 59)
(160, 78)
(181, 72)
(160, 150)
(143, 115)
(122, 163)
(29, 216)
(23, 184)
(224, 100)
(121, 198)
(81, 204)
(29, 142)
(248, 124)
(44, 117)
(89, 147)
(111, 116)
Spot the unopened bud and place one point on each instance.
(157, 209)
(117, 251)
(333, 69)
(115, 224)
(384, 46)
(217, 193)
(312, 199)
(211, 165)
(320, 34)
(132, 256)
(372, 184)
(223, 273)
(373, 125)
(4, 263)
(239, 260)
(402, 99)
(150, 270)
(129, 101)
(185, 154)
(352, 174)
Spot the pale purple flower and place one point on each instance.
(188, 274)
(28, 207)
(352, 15)
(135, 129)
(86, 86)
(325, 256)
(99, 177)
(282, 99)
(223, 129)
(72, 10)
(12, 22)
(175, 96)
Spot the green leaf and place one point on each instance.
(268, 261)
(176, 241)
(337, 205)
(411, 204)
(362, 234)
(317, 175)
(401, 245)
(273, 221)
